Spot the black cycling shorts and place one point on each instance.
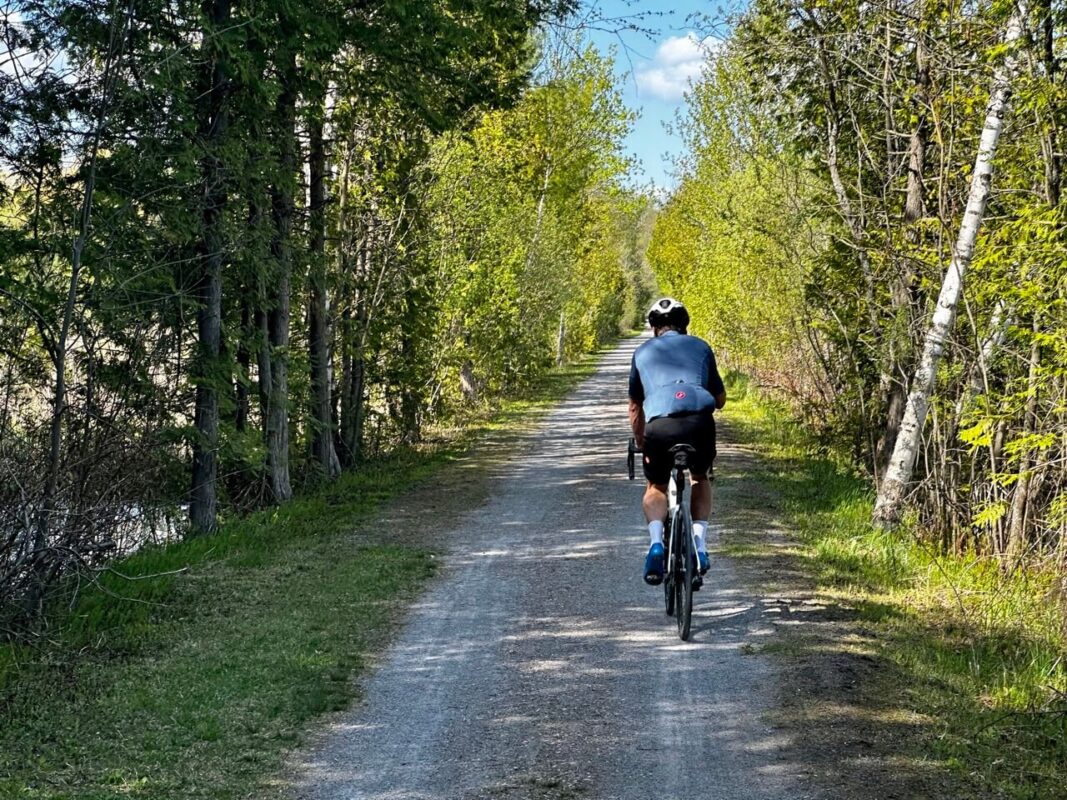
(663, 433)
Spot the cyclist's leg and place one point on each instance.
(655, 502)
(655, 507)
(703, 435)
(700, 507)
(700, 503)
(657, 473)
(656, 464)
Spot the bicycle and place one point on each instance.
(681, 577)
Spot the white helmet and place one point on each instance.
(668, 311)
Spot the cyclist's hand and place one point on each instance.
(639, 442)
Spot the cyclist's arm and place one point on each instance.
(715, 384)
(637, 398)
(637, 423)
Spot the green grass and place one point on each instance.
(192, 669)
(979, 653)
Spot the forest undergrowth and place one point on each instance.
(189, 671)
(975, 651)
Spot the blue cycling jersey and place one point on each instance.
(673, 375)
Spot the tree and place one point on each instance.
(891, 496)
(213, 116)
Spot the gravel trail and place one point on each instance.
(539, 665)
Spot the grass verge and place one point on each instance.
(189, 671)
(969, 664)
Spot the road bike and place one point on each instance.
(681, 577)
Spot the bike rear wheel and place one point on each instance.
(684, 574)
(669, 571)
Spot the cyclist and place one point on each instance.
(674, 388)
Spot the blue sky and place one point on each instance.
(655, 68)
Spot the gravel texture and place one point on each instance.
(539, 665)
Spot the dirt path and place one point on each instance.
(539, 665)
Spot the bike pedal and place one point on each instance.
(697, 583)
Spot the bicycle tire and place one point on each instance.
(685, 573)
(668, 572)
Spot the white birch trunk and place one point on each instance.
(901, 464)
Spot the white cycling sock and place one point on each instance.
(655, 532)
(700, 530)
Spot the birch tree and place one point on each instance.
(898, 475)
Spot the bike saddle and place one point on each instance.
(681, 453)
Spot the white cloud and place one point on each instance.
(678, 61)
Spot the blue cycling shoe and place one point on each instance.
(654, 565)
(702, 558)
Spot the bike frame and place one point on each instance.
(678, 509)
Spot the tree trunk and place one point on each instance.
(891, 495)
(213, 123)
(356, 315)
(351, 388)
(915, 202)
(468, 382)
(539, 220)
(355, 368)
(352, 405)
(343, 451)
(898, 403)
(283, 209)
(322, 448)
(1050, 141)
(902, 294)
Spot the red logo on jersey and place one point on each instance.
(679, 395)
